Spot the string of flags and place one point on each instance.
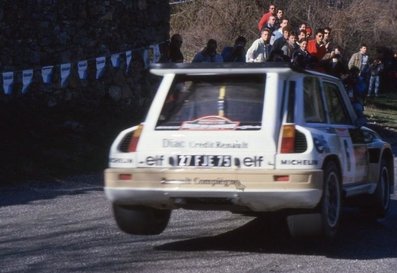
(149, 55)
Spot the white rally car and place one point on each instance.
(247, 138)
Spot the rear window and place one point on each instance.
(214, 102)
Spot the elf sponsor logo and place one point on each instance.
(157, 160)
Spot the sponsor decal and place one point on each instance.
(342, 132)
(211, 182)
(299, 162)
(348, 157)
(321, 144)
(210, 123)
(153, 160)
(172, 143)
(255, 161)
(120, 160)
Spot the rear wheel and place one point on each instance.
(141, 220)
(331, 203)
(325, 222)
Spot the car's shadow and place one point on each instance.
(360, 237)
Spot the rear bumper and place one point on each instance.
(213, 189)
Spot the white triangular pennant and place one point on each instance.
(100, 66)
(65, 73)
(82, 69)
(156, 53)
(128, 57)
(46, 73)
(115, 58)
(146, 57)
(27, 76)
(8, 80)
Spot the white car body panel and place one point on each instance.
(243, 168)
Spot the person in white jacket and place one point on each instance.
(259, 51)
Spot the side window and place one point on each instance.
(313, 104)
(337, 111)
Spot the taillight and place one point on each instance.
(125, 176)
(287, 139)
(281, 178)
(135, 139)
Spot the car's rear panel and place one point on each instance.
(211, 141)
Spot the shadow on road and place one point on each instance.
(359, 238)
(32, 191)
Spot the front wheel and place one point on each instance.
(381, 197)
(140, 220)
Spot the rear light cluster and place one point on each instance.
(292, 141)
(125, 176)
(135, 139)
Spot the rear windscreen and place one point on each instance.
(214, 102)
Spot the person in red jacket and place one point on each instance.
(316, 46)
(265, 16)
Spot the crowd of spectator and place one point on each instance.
(307, 48)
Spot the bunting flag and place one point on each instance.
(100, 66)
(156, 53)
(27, 77)
(65, 73)
(149, 55)
(115, 59)
(128, 57)
(8, 80)
(46, 74)
(82, 69)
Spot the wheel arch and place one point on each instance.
(335, 159)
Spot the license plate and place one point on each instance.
(204, 160)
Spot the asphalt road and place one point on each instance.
(67, 226)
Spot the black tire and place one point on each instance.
(331, 202)
(324, 221)
(141, 220)
(380, 199)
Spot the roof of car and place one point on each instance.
(232, 68)
(182, 68)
